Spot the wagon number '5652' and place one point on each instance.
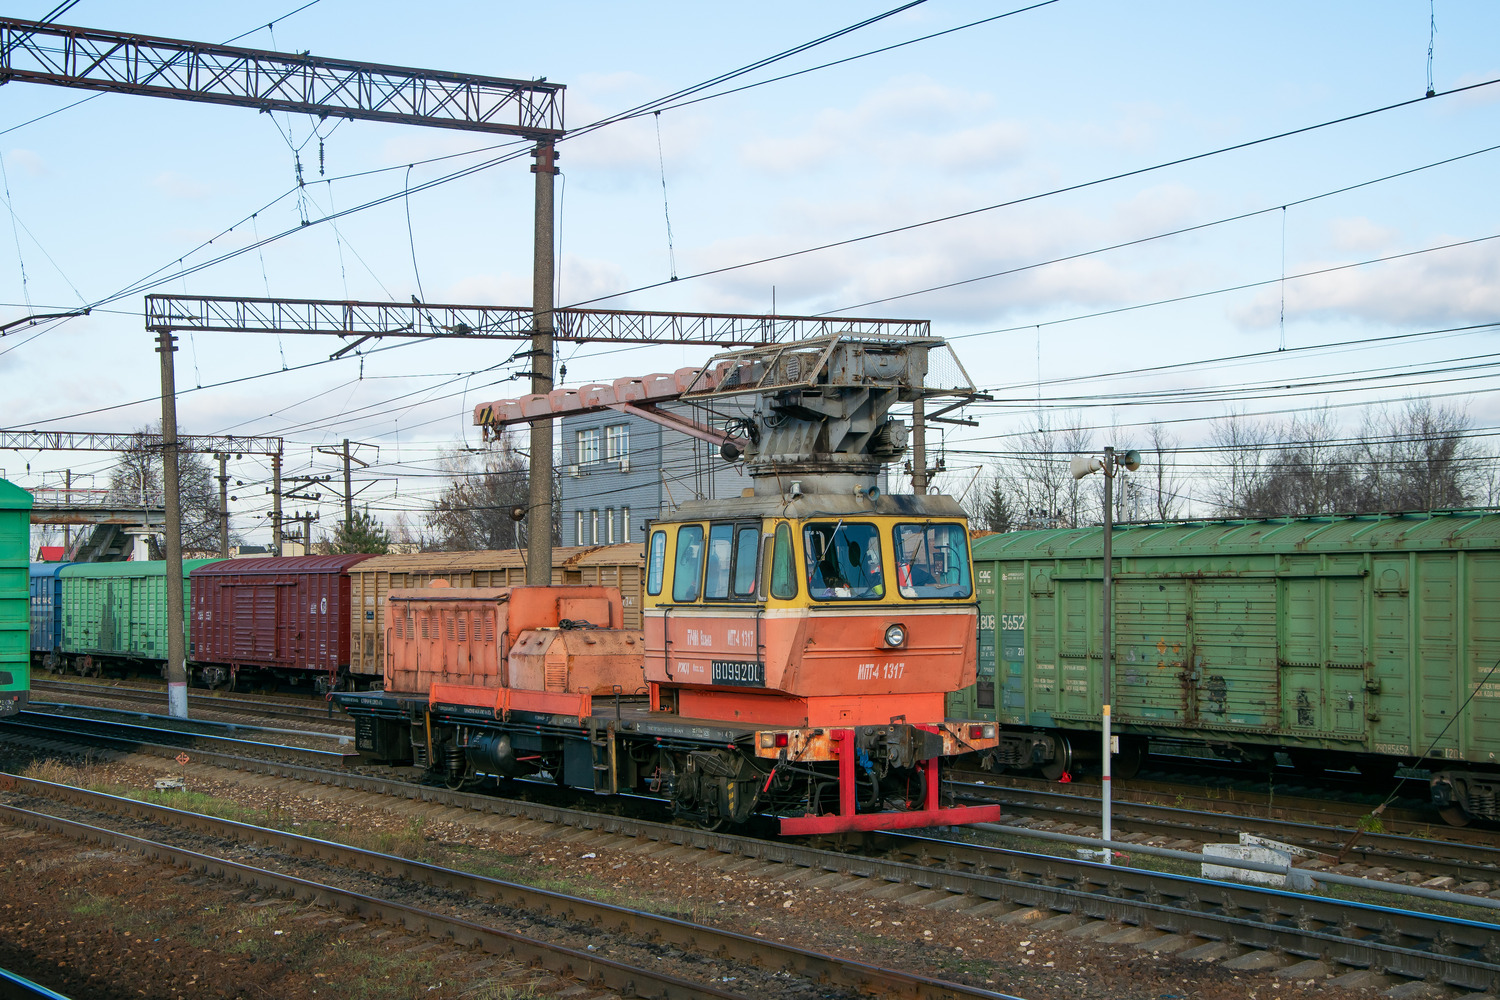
(1012, 621)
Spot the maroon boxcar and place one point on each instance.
(288, 617)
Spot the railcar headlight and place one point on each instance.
(895, 636)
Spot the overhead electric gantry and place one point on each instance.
(221, 446)
(118, 62)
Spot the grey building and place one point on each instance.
(619, 471)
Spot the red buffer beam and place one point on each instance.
(91, 59)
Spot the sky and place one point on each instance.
(1099, 204)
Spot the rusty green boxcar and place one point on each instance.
(1364, 641)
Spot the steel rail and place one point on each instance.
(1440, 856)
(43, 707)
(761, 952)
(177, 740)
(14, 987)
(1401, 942)
(222, 703)
(628, 980)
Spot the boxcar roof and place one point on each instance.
(130, 567)
(609, 555)
(1355, 533)
(47, 568)
(12, 497)
(443, 562)
(275, 566)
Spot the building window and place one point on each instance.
(588, 446)
(594, 521)
(578, 532)
(609, 526)
(624, 524)
(616, 442)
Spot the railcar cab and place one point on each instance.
(810, 611)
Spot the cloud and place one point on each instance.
(29, 161)
(909, 113)
(1360, 235)
(1449, 287)
(180, 187)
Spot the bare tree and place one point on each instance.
(1415, 457)
(136, 479)
(1037, 484)
(1165, 488)
(1419, 458)
(474, 512)
(1241, 443)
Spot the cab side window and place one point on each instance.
(656, 562)
(720, 538)
(746, 545)
(687, 572)
(784, 565)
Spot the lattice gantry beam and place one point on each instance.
(223, 314)
(206, 444)
(90, 59)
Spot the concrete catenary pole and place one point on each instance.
(276, 504)
(223, 505)
(919, 446)
(176, 621)
(539, 504)
(348, 491)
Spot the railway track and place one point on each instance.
(1474, 858)
(316, 711)
(758, 964)
(1248, 927)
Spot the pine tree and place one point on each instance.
(363, 533)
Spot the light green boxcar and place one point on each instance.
(117, 611)
(1362, 641)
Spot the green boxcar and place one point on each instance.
(1361, 641)
(15, 598)
(116, 612)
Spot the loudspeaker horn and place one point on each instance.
(1082, 466)
(1131, 460)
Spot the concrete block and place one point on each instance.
(1295, 880)
(955, 901)
(1168, 944)
(1212, 952)
(990, 907)
(1061, 922)
(1022, 917)
(1362, 979)
(1091, 930)
(1311, 969)
(1131, 935)
(1415, 990)
(923, 897)
(1257, 961)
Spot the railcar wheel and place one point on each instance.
(1062, 761)
(1127, 763)
(1454, 815)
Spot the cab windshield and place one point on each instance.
(932, 560)
(843, 561)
